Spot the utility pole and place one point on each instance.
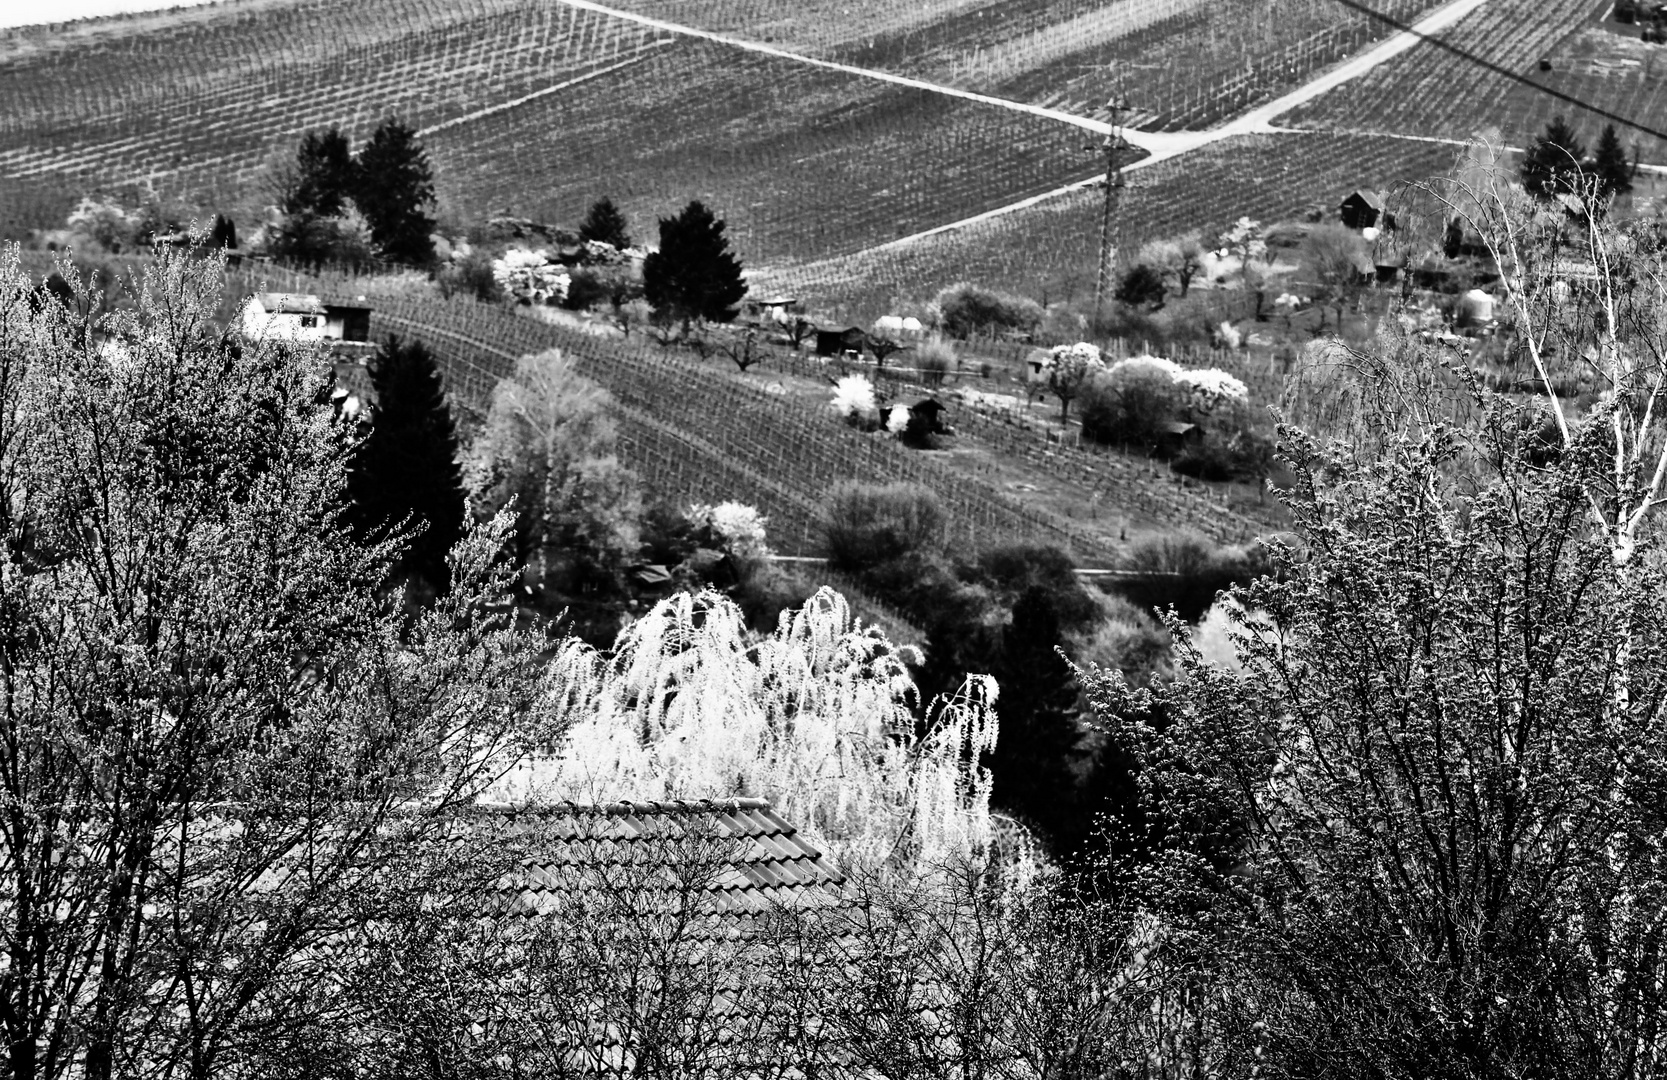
(1112, 146)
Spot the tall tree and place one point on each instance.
(1614, 171)
(1341, 261)
(1032, 762)
(406, 473)
(693, 275)
(1446, 749)
(548, 444)
(605, 224)
(1552, 166)
(325, 177)
(214, 736)
(395, 184)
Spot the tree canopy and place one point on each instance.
(395, 184)
(605, 224)
(406, 474)
(1417, 831)
(202, 685)
(548, 445)
(1552, 165)
(693, 275)
(326, 177)
(1614, 171)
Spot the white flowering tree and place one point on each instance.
(1069, 366)
(530, 275)
(815, 717)
(853, 400)
(738, 527)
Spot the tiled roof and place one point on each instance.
(739, 852)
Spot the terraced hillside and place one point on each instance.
(1433, 91)
(697, 432)
(1053, 247)
(527, 107)
(1181, 63)
(801, 161)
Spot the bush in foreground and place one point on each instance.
(869, 524)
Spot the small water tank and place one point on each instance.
(1475, 308)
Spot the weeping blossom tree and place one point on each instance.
(816, 717)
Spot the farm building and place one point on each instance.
(837, 342)
(1363, 209)
(344, 327)
(898, 326)
(774, 311)
(304, 317)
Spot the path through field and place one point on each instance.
(1159, 146)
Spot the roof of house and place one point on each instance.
(1367, 196)
(290, 303)
(752, 859)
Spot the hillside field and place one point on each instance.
(1432, 91)
(1052, 249)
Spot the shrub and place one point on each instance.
(966, 309)
(1142, 287)
(1186, 572)
(470, 276)
(870, 524)
(1013, 569)
(1130, 403)
(935, 359)
(1125, 637)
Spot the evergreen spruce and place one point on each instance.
(1551, 166)
(1031, 765)
(395, 182)
(325, 175)
(407, 466)
(605, 224)
(1613, 169)
(693, 275)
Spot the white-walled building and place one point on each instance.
(304, 317)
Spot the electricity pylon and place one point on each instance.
(1112, 147)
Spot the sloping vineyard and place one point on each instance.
(1432, 91)
(1052, 249)
(217, 112)
(800, 161)
(696, 432)
(1180, 64)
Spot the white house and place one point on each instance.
(304, 317)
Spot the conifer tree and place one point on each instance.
(1552, 165)
(1613, 169)
(1031, 765)
(325, 175)
(693, 275)
(395, 182)
(406, 471)
(605, 224)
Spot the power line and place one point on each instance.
(1481, 61)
